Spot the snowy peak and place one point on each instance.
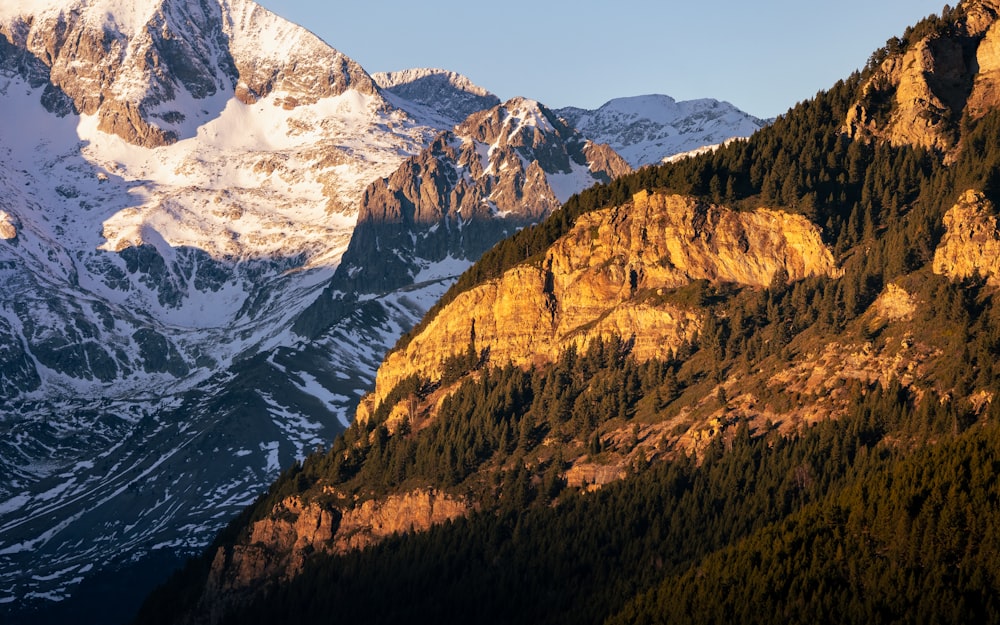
(430, 76)
(436, 94)
(142, 67)
(512, 119)
(646, 129)
(527, 129)
(274, 55)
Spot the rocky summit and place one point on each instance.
(500, 170)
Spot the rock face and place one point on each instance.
(294, 529)
(129, 69)
(608, 276)
(377, 519)
(894, 304)
(8, 226)
(971, 244)
(918, 97)
(279, 544)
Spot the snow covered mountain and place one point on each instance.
(178, 181)
(646, 129)
(436, 95)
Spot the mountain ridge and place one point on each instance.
(440, 90)
(645, 129)
(855, 372)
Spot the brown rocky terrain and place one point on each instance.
(279, 544)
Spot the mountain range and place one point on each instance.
(756, 384)
(214, 226)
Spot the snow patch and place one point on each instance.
(273, 465)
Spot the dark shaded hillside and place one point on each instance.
(579, 561)
(913, 539)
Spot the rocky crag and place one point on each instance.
(921, 93)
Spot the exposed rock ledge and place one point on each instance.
(8, 226)
(606, 276)
(280, 543)
(971, 244)
(918, 97)
(397, 514)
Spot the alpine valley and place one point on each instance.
(213, 227)
(757, 384)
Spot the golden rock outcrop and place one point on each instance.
(971, 244)
(280, 543)
(918, 97)
(922, 113)
(985, 92)
(607, 277)
(8, 226)
(277, 547)
(397, 514)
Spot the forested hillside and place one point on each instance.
(822, 449)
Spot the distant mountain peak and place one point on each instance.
(496, 172)
(406, 77)
(515, 117)
(647, 128)
(436, 95)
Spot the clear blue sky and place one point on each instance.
(762, 56)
